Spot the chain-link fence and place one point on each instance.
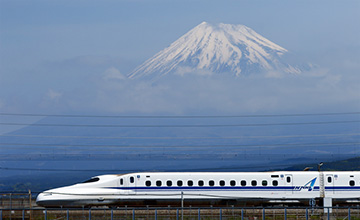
(187, 213)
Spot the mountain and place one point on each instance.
(222, 48)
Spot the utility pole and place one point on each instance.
(30, 205)
(321, 179)
(182, 205)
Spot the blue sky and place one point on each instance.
(53, 30)
(54, 53)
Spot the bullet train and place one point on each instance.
(209, 187)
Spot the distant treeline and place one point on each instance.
(352, 164)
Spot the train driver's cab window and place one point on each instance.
(211, 183)
(132, 179)
(275, 183)
(158, 183)
(232, 183)
(253, 183)
(148, 183)
(201, 183)
(169, 183)
(264, 183)
(243, 182)
(179, 182)
(329, 179)
(121, 181)
(92, 180)
(190, 183)
(352, 183)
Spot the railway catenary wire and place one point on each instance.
(176, 138)
(182, 126)
(184, 146)
(144, 170)
(161, 157)
(174, 116)
(200, 126)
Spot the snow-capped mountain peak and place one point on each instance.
(221, 48)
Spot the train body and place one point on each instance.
(207, 187)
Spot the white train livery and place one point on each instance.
(269, 187)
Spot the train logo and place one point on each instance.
(308, 186)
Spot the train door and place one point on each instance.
(131, 184)
(329, 184)
(289, 184)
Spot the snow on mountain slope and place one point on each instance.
(222, 48)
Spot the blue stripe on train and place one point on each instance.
(242, 188)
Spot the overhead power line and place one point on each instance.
(146, 170)
(176, 138)
(183, 126)
(180, 146)
(174, 116)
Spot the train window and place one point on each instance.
(148, 183)
(264, 183)
(179, 182)
(243, 183)
(92, 180)
(211, 183)
(222, 183)
(329, 179)
(132, 179)
(232, 183)
(288, 179)
(121, 181)
(253, 182)
(352, 183)
(158, 183)
(275, 183)
(190, 183)
(201, 183)
(169, 183)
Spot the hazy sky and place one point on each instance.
(70, 56)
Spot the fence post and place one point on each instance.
(242, 214)
(307, 214)
(199, 217)
(23, 214)
(220, 214)
(133, 214)
(1, 215)
(112, 214)
(263, 214)
(349, 214)
(328, 213)
(89, 214)
(67, 214)
(177, 214)
(45, 214)
(155, 214)
(285, 214)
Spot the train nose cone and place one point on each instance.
(40, 199)
(45, 199)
